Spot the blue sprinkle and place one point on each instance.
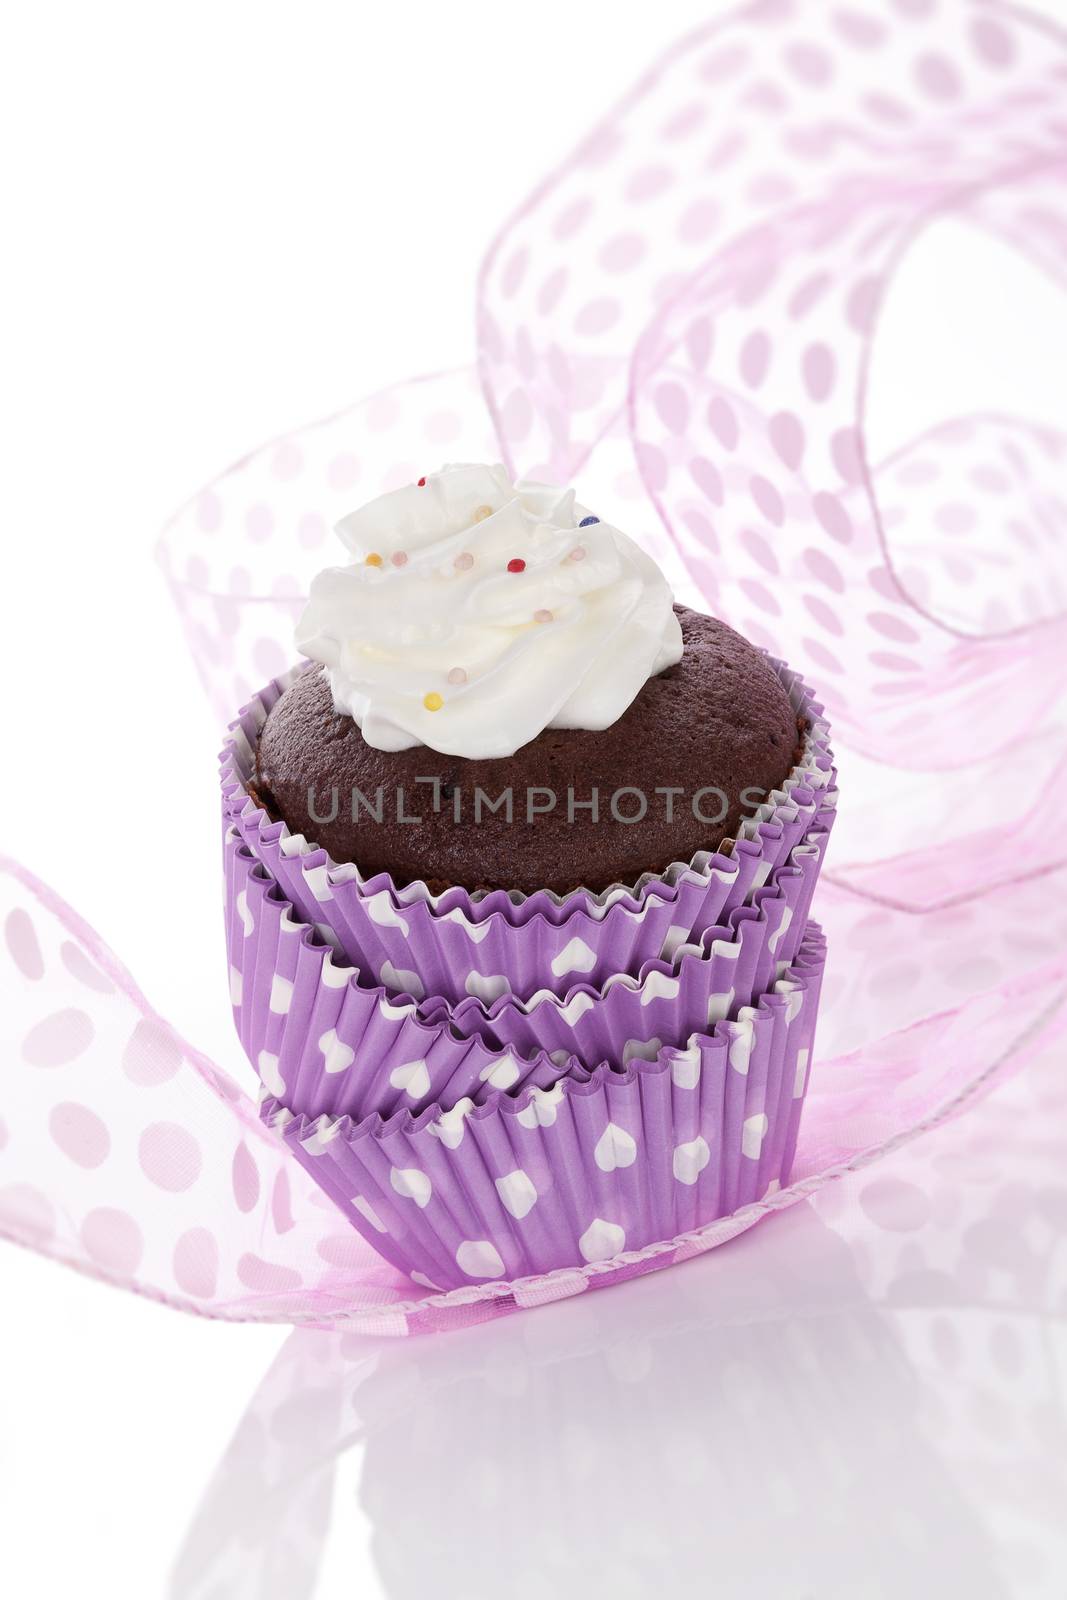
(587, 522)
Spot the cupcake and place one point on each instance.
(522, 845)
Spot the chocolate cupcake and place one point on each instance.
(507, 699)
(518, 877)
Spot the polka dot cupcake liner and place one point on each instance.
(464, 944)
(585, 1174)
(324, 1037)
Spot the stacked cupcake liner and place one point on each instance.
(460, 944)
(326, 1038)
(600, 1164)
(494, 1085)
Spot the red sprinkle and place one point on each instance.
(421, 483)
(517, 565)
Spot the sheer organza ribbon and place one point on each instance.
(682, 318)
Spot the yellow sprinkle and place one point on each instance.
(432, 701)
(481, 512)
(373, 560)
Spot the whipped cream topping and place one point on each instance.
(477, 612)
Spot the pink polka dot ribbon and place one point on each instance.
(681, 318)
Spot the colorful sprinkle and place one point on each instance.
(457, 675)
(399, 558)
(481, 512)
(464, 562)
(421, 483)
(587, 522)
(516, 564)
(373, 560)
(542, 615)
(577, 554)
(432, 701)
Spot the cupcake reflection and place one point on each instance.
(703, 1430)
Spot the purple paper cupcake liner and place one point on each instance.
(598, 1166)
(460, 943)
(325, 1038)
(708, 978)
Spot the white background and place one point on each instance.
(222, 220)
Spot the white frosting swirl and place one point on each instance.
(430, 639)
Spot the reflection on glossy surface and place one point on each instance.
(707, 1434)
(863, 1398)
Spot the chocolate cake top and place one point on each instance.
(697, 748)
